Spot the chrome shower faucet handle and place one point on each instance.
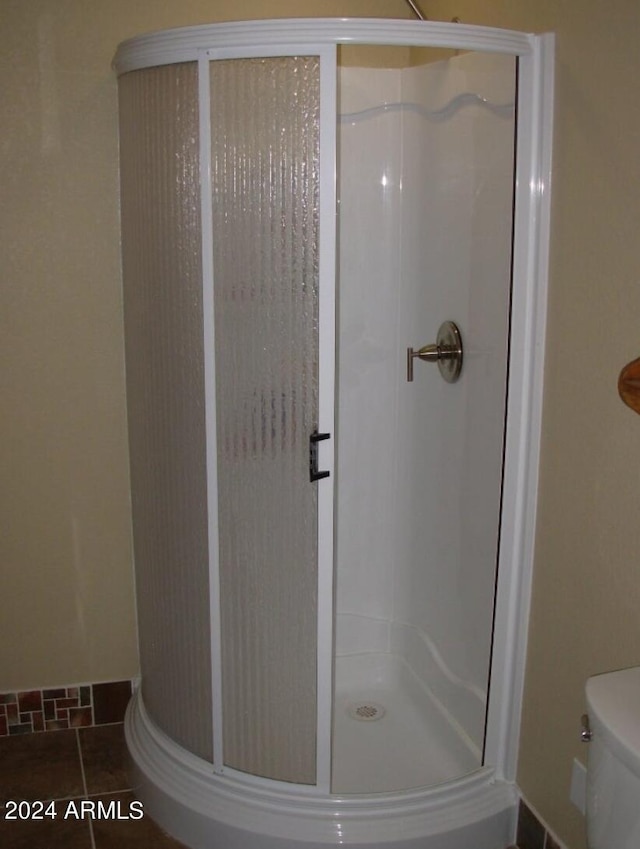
(447, 352)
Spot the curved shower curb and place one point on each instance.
(205, 810)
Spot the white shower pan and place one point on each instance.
(234, 811)
(383, 715)
(281, 704)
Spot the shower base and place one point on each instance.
(389, 734)
(205, 810)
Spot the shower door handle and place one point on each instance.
(314, 474)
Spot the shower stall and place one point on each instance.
(334, 257)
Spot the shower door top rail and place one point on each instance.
(185, 43)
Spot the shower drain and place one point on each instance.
(366, 711)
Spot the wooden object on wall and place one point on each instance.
(629, 385)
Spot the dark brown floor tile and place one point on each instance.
(531, 833)
(110, 701)
(130, 834)
(46, 834)
(40, 766)
(105, 758)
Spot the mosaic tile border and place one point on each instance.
(58, 708)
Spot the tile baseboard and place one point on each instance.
(533, 832)
(60, 708)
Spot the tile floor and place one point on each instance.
(70, 766)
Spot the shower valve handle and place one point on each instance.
(428, 353)
(447, 352)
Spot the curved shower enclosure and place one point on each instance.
(334, 248)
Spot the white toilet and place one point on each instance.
(613, 771)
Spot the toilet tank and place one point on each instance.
(613, 771)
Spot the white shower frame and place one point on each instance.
(310, 36)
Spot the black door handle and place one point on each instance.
(314, 474)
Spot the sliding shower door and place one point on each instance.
(161, 238)
(266, 216)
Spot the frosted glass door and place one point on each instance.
(265, 212)
(161, 235)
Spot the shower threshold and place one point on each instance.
(389, 734)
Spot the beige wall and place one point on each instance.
(66, 594)
(66, 606)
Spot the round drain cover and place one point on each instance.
(366, 711)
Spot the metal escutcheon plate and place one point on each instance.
(450, 343)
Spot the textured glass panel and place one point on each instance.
(265, 129)
(165, 386)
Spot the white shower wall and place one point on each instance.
(425, 235)
(369, 162)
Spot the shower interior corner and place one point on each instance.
(425, 190)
